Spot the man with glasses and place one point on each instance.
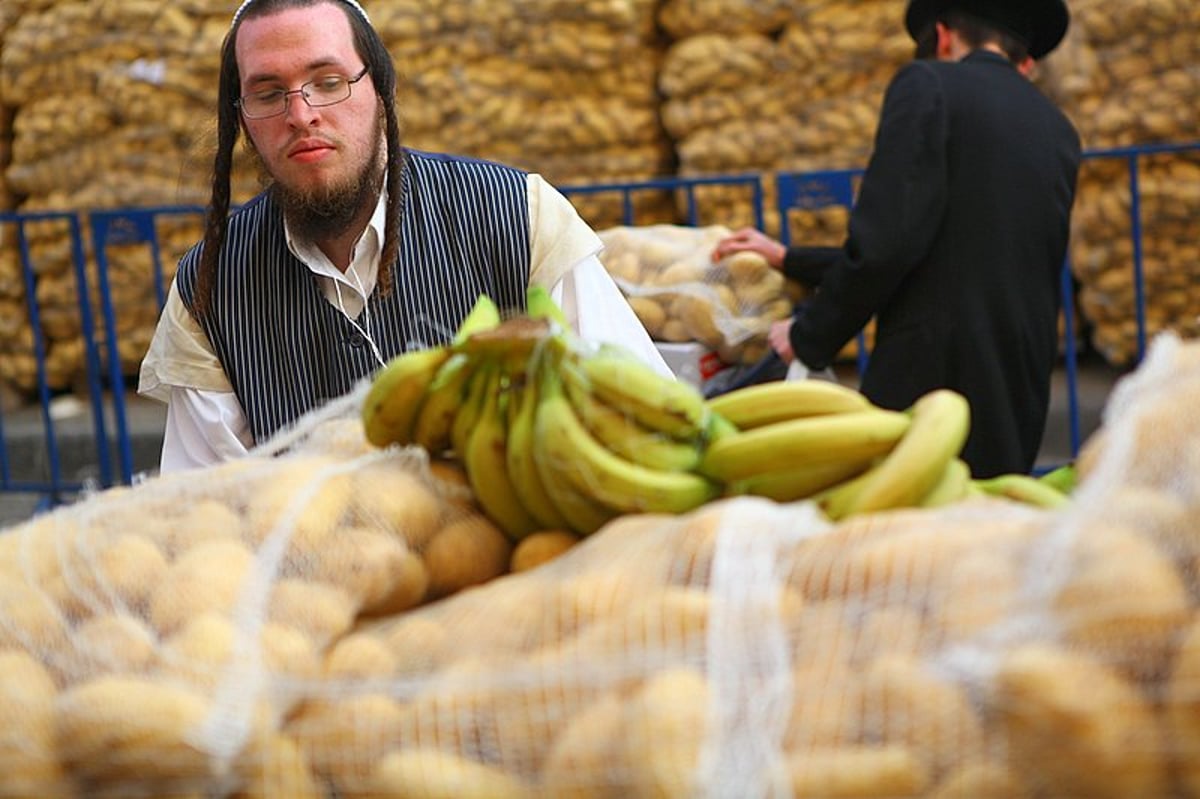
(358, 250)
(958, 236)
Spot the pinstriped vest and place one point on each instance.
(286, 350)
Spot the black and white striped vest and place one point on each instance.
(286, 350)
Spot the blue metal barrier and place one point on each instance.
(803, 191)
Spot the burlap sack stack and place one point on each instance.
(560, 87)
(112, 105)
(1127, 79)
(783, 86)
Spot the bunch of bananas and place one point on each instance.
(556, 435)
(552, 435)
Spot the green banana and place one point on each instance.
(857, 436)
(941, 420)
(1065, 478)
(623, 434)
(951, 487)
(801, 482)
(572, 454)
(485, 461)
(443, 399)
(484, 315)
(519, 456)
(1022, 488)
(539, 304)
(663, 404)
(394, 398)
(780, 400)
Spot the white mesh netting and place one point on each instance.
(332, 621)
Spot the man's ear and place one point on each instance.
(1027, 67)
(945, 41)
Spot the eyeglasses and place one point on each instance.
(326, 90)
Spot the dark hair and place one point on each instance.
(976, 32)
(374, 53)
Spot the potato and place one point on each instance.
(28, 754)
(115, 643)
(665, 725)
(426, 773)
(30, 619)
(1123, 602)
(118, 575)
(651, 313)
(363, 563)
(276, 767)
(344, 738)
(468, 551)
(306, 497)
(542, 547)
(208, 577)
(1076, 728)
(583, 761)
(392, 497)
(859, 772)
(132, 733)
(320, 611)
(205, 520)
(359, 655)
(982, 780)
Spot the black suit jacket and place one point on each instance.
(955, 246)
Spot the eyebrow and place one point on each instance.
(313, 66)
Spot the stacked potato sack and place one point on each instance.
(112, 108)
(783, 86)
(1128, 79)
(242, 632)
(563, 88)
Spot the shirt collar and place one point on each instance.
(366, 250)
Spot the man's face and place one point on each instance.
(326, 162)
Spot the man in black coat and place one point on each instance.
(959, 232)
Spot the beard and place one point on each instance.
(326, 211)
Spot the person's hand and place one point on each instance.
(751, 240)
(779, 336)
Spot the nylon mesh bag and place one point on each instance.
(746, 649)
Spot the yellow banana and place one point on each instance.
(941, 420)
(394, 398)
(1065, 478)
(951, 486)
(623, 434)
(444, 398)
(801, 482)
(780, 400)
(519, 457)
(1022, 488)
(672, 407)
(572, 454)
(857, 436)
(467, 416)
(485, 461)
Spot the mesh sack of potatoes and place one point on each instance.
(745, 649)
(551, 87)
(803, 96)
(682, 295)
(1127, 80)
(155, 638)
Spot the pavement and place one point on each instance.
(26, 456)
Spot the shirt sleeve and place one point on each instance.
(559, 238)
(897, 215)
(179, 355)
(599, 312)
(203, 428)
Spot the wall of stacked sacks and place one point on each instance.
(108, 103)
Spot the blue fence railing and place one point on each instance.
(34, 462)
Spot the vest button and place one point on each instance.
(356, 340)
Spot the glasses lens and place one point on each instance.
(327, 91)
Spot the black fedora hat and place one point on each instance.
(1041, 24)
